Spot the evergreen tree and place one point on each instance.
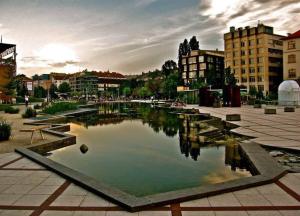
(169, 67)
(194, 44)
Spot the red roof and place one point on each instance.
(293, 36)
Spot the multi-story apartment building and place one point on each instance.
(291, 56)
(201, 64)
(255, 56)
(84, 82)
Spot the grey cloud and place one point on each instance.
(62, 64)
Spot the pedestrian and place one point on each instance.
(26, 100)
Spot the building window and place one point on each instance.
(251, 42)
(260, 88)
(260, 79)
(292, 73)
(251, 61)
(243, 62)
(260, 60)
(252, 70)
(244, 79)
(252, 79)
(243, 44)
(183, 75)
(260, 69)
(201, 58)
(243, 70)
(251, 52)
(260, 50)
(259, 41)
(192, 75)
(292, 58)
(210, 59)
(243, 53)
(292, 45)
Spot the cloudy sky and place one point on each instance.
(128, 36)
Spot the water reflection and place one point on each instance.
(194, 131)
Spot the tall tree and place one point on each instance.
(64, 88)
(169, 67)
(194, 43)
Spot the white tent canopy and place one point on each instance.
(289, 93)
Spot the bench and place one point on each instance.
(32, 130)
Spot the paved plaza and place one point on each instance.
(278, 130)
(29, 189)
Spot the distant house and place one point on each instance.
(59, 78)
(41, 80)
(291, 57)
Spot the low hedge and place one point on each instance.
(3, 107)
(11, 110)
(5, 130)
(60, 107)
(20, 99)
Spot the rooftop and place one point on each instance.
(293, 36)
(4, 47)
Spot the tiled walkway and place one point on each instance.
(280, 130)
(28, 189)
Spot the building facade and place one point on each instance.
(255, 57)
(58, 78)
(8, 65)
(203, 64)
(291, 57)
(84, 82)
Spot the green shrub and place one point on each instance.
(5, 130)
(3, 107)
(60, 107)
(29, 113)
(37, 106)
(11, 110)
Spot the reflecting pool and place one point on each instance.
(143, 150)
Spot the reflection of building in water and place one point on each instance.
(233, 157)
(188, 138)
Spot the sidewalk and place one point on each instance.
(280, 130)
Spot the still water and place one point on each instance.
(142, 151)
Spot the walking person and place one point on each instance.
(26, 100)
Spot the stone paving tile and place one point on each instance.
(43, 189)
(252, 200)
(57, 213)
(196, 203)
(89, 213)
(231, 213)
(123, 213)
(18, 189)
(94, 200)
(198, 213)
(227, 199)
(290, 213)
(75, 190)
(31, 180)
(9, 180)
(150, 213)
(292, 181)
(31, 200)
(68, 200)
(15, 213)
(53, 181)
(9, 199)
(264, 213)
(25, 163)
(272, 189)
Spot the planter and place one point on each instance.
(233, 117)
(270, 111)
(289, 109)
